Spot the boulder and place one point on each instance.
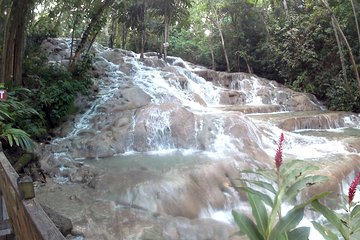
(154, 62)
(136, 96)
(63, 223)
(231, 97)
(114, 56)
(163, 126)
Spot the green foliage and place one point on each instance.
(16, 136)
(53, 89)
(266, 187)
(338, 97)
(345, 224)
(12, 111)
(57, 90)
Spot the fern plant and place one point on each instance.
(270, 189)
(11, 111)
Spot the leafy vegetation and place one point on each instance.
(311, 46)
(274, 188)
(271, 188)
(11, 112)
(346, 225)
(54, 88)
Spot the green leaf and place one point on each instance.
(288, 167)
(266, 199)
(355, 224)
(325, 232)
(300, 233)
(275, 209)
(331, 217)
(288, 222)
(313, 198)
(247, 226)
(270, 175)
(15, 138)
(264, 185)
(355, 211)
(20, 137)
(258, 212)
(299, 173)
(305, 182)
(10, 140)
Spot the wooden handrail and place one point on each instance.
(28, 219)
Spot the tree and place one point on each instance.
(92, 28)
(216, 16)
(137, 13)
(342, 59)
(14, 42)
(356, 22)
(171, 11)
(342, 35)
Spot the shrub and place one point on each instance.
(54, 88)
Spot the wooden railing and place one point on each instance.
(26, 217)
(5, 226)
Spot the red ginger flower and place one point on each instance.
(352, 188)
(279, 152)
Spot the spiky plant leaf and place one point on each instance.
(265, 198)
(325, 232)
(17, 136)
(259, 212)
(287, 223)
(247, 226)
(265, 173)
(355, 211)
(262, 184)
(300, 233)
(303, 183)
(331, 217)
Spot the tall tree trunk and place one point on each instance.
(143, 33)
(124, 36)
(212, 59)
(286, 8)
(217, 23)
(91, 42)
(14, 42)
(223, 47)
(73, 35)
(342, 59)
(342, 35)
(166, 35)
(248, 66)
(85, 36)
(112, 31)
(356, 22)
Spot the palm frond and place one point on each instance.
(17, 137)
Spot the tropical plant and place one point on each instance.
(347, 224)
(11, 111)
(273, 188)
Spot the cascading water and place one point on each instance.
(168, 145)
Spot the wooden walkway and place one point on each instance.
(21, 219)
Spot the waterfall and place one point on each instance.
(166, 138)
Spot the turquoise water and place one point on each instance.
(335, 134)
(153, 161)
